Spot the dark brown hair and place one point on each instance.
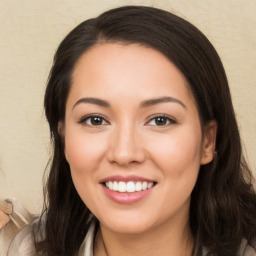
(223, 207)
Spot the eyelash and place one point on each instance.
(90, 117)
(164, 117)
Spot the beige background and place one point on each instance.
(30, 31)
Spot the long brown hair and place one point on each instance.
(223, 209)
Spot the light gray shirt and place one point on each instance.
(23, 244)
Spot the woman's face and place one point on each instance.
(133, 138)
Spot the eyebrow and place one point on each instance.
(96, 101)
(144, 104)
(151, 102)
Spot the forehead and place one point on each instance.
(122, 69)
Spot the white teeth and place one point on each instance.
(138, 186)
(121, 187)
(115, 186)
(150, 184)
(129, 187)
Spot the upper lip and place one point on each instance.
(125, 178)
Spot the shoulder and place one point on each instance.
(249, 251)
(13, 217)
(246, 249)
(24, 242)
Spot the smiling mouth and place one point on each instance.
(128, 187)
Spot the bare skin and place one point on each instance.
(131, 114)
(155, 243)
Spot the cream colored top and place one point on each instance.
(13, 217)
(23, 244)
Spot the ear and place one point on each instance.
(61, 131)
(208, 143)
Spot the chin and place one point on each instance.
(128, 228)
(128, 223)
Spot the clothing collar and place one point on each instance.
(86, 248)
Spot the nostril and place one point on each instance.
(123, 158)
(124, 148)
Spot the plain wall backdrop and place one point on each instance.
(31, 30)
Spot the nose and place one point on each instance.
(126, 146)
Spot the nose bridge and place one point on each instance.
(125, 144)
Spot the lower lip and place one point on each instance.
(126, 198)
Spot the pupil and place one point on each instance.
(96, 120)
(160, 120)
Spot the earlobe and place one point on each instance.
(209, 140)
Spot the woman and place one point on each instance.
(147, 155)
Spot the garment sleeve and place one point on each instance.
(249, 251)
(246, 249)
(23, 244)
(13, 217)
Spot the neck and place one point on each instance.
(170, 241)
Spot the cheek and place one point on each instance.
(178, 158)
(82, 152)
(179, 153)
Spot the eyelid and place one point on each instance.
(83, 119)
(169, 118)
(86, 117)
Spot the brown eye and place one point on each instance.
(93, 120)
(161, 121)
(96, 120)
